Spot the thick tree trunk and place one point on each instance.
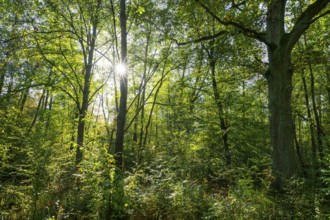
(279, 80)
(280, 44)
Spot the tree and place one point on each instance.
(121, 120)
(83, 24)
(192, 139)
(279, 44)
(117, 197)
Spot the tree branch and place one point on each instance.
(71, 67)
(305, 20)
(52, 63)
(320, 16)
(98, 89)
(236, 5)
(260, 36)
(205, 38)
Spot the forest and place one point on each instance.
(164, 109)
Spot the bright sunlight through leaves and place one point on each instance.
(120, 69)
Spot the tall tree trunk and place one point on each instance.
(319, 131)
(153, 107)
(49, 115)
(91, 41)
(9, 88)
(2, 77)
(84, 108)
(279, 76)
(327, 70)
(23, 99)
(143, 87)
(309, 115)
(222, 121)
(121, 120)
(298, 149)
(116, 209)
(279, 80)
(37, 112)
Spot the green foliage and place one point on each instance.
(242, 202)
(324, 193)
(157, 192)
(175, 163)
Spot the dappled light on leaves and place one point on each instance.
(217, 110)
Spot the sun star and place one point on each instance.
(120, 69)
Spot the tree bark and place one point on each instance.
(121, 120)
(309, 115)
(279, 79)
(2, 78)
(91, 41)
(222, 121)
(142, 98)
(153, 107)
(319, 131)
(279, 75)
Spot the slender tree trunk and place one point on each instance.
(37, 112)
(222, 120)
(86, 89)
(121, 120)
(84, 107)
(23, 99)
(135, 127)
(9, 88)
(152, 108)
(319, 131)
(327, 70)
(116, 207)
(2, 78)
(298, 149)
(309, 115)
(143, 97)
(48, 119)
(142, 102)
